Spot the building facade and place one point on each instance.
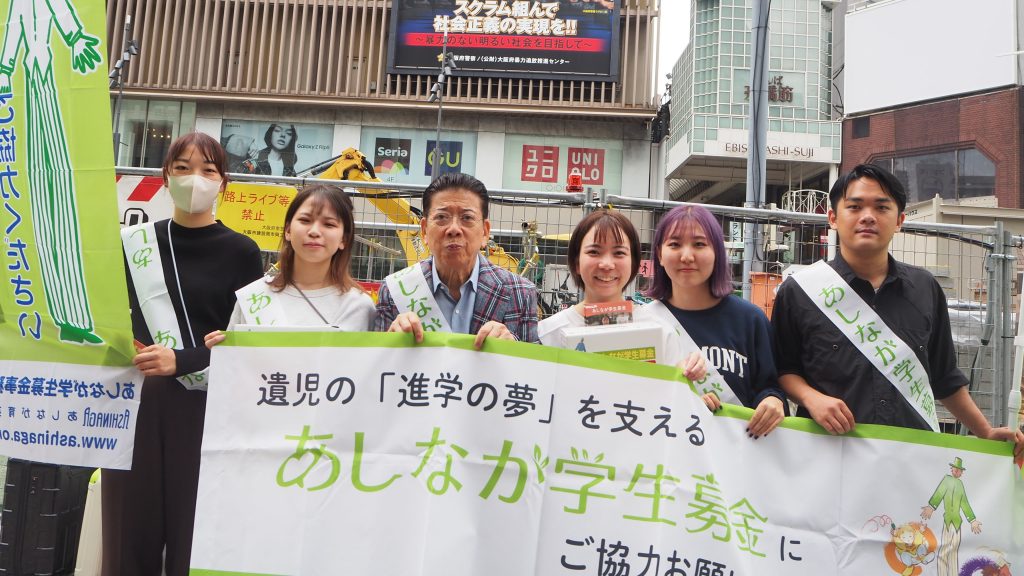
(317, 70)
(973, 154)
(708, 142)
(944, 116)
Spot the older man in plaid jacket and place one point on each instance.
(457, 289)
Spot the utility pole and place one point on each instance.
(437, 95)
(129, 48)
(756, 161)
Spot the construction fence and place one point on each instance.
(976, 266)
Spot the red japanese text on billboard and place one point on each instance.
(556, 39)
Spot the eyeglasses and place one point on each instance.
(444, 220)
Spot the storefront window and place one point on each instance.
(147, 128)
(131, 116)
(951, 175)
(977, 174)
(883, 163)
(927, 175)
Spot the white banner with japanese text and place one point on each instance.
(334, 453)
(68, 413)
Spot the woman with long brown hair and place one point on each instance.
(313, 286)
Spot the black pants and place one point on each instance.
(153, 505)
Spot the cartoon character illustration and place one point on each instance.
(913, 545)
(953, 497)
(30, 24)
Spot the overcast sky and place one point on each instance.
(675, 35)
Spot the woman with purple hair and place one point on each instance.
(692, 292)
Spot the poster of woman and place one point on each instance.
(274, 148)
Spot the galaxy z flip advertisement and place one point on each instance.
(567, 39)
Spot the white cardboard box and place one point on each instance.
(642, 341)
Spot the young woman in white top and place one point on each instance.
(313, 286)
(604, 257)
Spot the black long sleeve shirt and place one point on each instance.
(212, 262)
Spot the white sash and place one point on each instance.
(146, 268)
(410, 293)
(870, 335)
(260, 304)
(713, 380)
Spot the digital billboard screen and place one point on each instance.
(567, 39)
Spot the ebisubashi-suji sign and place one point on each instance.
(511, 38)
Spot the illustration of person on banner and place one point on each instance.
(604, 257)
(866, 338)
(692, 296)
(51, 181)
(183, 273)
(950, 493)
(313, 285)
(457, 289)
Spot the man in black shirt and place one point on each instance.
(823, 371)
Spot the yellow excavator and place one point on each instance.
(352, 165)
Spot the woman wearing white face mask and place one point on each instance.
(185, 272)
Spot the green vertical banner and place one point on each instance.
(65, 331)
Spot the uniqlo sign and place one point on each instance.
(540, 164)
(588, 163)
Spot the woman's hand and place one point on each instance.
(156, 360)
(213, 338)
(711, 401)
(767, 416)
(694, 366)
